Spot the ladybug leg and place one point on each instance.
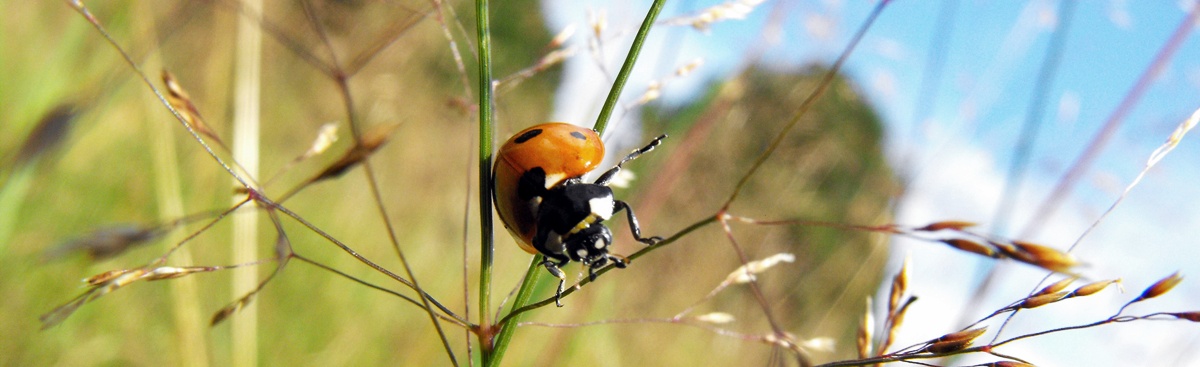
(554, 269)
(612, 172)
(592, 270)
(633, 224)
(617, 261)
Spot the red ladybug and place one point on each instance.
(543, 201)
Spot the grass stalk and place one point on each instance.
(509, 325)
(1099, 141)
(635, 49)
(185, 300)
(247, 91)
(487, 134)
(12, 196)
(189, 324)
(184, 295)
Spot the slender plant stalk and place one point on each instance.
(614, 94)
(509, 324)
(1083, 163)
(13, 193)
(341, 75)
(189, 325)
(137, 70)
(245, 151)
(931, 80)
(808, 102)
(486, 137)
(1033, 118)
(1025, 141)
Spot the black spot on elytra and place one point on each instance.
(528, 135)
(578, 135)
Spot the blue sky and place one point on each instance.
(963, 146)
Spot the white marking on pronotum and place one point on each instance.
(599, 244)
(602, 206)
(582, 253)
(554, 178)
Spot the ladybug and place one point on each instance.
(543, 201)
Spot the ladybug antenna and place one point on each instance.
(612, 172)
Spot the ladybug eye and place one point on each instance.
(533, 133)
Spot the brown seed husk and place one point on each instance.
(965, 335)
(1164, 285)
(970, 246)
(948, 346)
(370, 141)
(865, 332)
(230, 309)
(1193, 316)
(107, 276)
(1056, 287)
(1092, 288)
(1044, 256)
(956, 225)
(954, 341)
(1008, 364)
(899, 286)
(182, 103)
(1042, 300)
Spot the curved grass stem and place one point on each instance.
(508, 324)
(614, 94)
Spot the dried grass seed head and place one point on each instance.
(1042, 300)
(1093, 288)
(688, 68)
(1045, 257)
(1160, 287)
(956, 225)
(820, 344)
(899, 285)
(971, 246)
(746, 273)
(954, 341)
(1193, 316)
(866, 331)
(326, 136)
(715, 318)
(1056, 287)
(561, 38)
(1007, 364)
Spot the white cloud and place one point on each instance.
(1069, 106)
(884, 83)
(965, 185)
(891, 49)
(1118, 14)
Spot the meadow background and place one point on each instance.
(921, 126)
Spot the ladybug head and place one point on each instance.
(590, 248)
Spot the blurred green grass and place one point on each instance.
(830, 170)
